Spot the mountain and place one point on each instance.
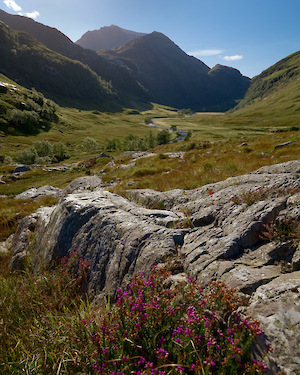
(129, 90)
(31, 64)
(174, 78)
(148, 68)
(107, 37)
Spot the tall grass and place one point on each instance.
(41, 330)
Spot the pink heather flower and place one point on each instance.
(161, 353)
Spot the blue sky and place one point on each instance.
(249, 35)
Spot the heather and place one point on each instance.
(156, 326)
(156, 330)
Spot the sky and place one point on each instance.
(249, 35)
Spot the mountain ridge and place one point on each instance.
(149, 68)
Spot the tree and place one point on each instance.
(163, 137)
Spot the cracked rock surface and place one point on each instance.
(215, 230)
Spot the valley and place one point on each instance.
(133, 173)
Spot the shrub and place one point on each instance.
(43, 148)
(27, 156)
(157, 330)
(43, 160)
(26, 121)
(60, 151)
(7, 160)
(90, 144)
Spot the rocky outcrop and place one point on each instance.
(243, 231)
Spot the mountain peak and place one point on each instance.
(107, 37)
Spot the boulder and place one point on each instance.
(117, 237)
(21, 169)
(85, 183)
(36, 193)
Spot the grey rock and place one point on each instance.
(36, 193)
(290, 143)
(117, 237)
(30, 229)
(124, 167)
(81, 184)
(247, 279)
(22, 169)
(135, 155)
(296, 259)
(277, 306)
(103, 155)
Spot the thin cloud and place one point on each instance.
(233, 58)
(206, 52)
(33, 14)
(12, 5)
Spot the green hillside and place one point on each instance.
(31, 64)
(279, 84)
(24, 111)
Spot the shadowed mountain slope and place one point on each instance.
(126, 85)
(107, 37)
(174, 78)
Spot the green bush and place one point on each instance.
(90, 144)
(25, 121)
(43, 148)
(60, 151)
(43, 152)
(27, 156)
(187, 136)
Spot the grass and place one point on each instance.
(48, 325)
(200, 165)
(13, 210)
